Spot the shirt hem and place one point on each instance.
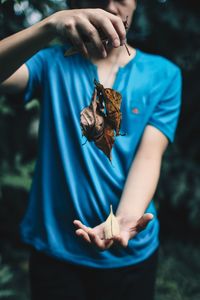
(82, 261)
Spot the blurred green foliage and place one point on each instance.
(14, 283)
(169, 28)
(178, 275)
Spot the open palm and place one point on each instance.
(128, 229)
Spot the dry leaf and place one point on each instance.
(100, 121)
(71, 51)
(92, 120)
(112, 100)
(105, 142)
(111, 227)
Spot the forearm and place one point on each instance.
(16, 49)
(139, 188)
(68, 24)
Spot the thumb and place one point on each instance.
(143, 222)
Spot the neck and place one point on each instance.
(112, 55)
(109, 66)
(116, 54)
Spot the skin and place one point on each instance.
(71, 24)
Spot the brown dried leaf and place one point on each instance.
(112, 100)
(101, 120)
(106, 141)
(92, 120)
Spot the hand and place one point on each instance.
(128, 229)
(83, 25)
(94, 236)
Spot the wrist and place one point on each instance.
(58, 23)
(127, 219)
(50, 25)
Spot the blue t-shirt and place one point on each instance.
(72, 181)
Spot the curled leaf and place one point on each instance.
(101, 120)
(92, 120)
(106, 140)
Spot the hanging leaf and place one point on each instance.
(112, 101)
(106, 140)
(92, 120)
(101, 120)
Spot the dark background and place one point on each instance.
(168, 28)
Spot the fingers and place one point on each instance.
(89, 236)
(121, 30)
(92, 35)
(95, 237)
(80, 225)
(125, 235)
(82, 231)
(113, 29)
(122, 240)
(84, 235)
(90, 23)
(77, 41)
(101, 244)
(143, 222)
(85, 37)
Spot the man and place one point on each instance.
(74, 185)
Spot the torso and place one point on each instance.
(67, 87)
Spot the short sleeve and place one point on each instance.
(166, 113)
(36, 68)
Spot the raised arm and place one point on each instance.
(16, 49)
(76, 25)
